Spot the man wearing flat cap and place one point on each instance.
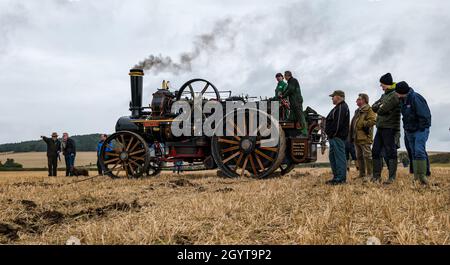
(416, 123)
(53, 149)
(387, 109)
(337, 128)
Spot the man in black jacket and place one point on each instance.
(69, 151)
(53, 149)
(337, 128)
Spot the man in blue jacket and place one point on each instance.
(416, 123)
(103, 137)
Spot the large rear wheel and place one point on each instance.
(246, 155)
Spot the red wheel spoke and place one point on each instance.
(129, 144)
(244, 165)
(231, 157)
(123, 141)
(118, 163)
(271, 149)
(264, 155)
(134, 163)
(134, 146)
(136, 152)
(238, 163)
(253, 165)
(124, 165)
(132, 171)
(222, 140)
(259, 162)
(110, 160)
(230, 149)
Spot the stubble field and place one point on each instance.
(201, 208)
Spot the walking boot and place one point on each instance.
(392, 168)
(420, 171)
(377, 166)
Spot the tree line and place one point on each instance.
(84, 143)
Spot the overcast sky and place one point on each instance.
(64, 64)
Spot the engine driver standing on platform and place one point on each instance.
(284, 103)
(296, 102)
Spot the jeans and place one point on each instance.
(337, 159)
(385, 139)
(70, 161)
(411, 158)
(100, 169)
(417, 143)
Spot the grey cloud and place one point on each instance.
(327, 44)
(11, 18)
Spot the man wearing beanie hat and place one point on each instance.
(388, 126)
(53, 149)
(387, 79)
(416, 123)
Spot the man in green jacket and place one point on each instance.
(294, 94)
(279, 90)
(388, 126)
(281, 85)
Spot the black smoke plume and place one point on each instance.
(204, 43)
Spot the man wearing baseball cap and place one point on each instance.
(337, 128)
(416, 123)
(388, 127)
(53, 149)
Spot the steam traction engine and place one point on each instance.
(144, 144)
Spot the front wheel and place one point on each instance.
(124, 155)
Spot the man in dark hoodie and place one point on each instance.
(53, 149)
(69, 151)
(416, 123)
(388, 127)
(337, 128)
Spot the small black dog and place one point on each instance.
(80, 172)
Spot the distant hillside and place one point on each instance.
(442, 158)
(83, 143)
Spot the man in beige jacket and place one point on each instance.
(361, 134)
